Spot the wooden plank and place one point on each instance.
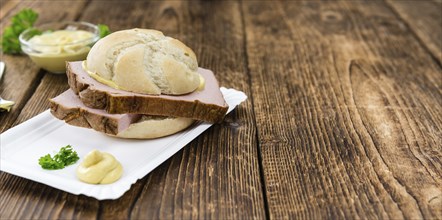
(347, 105)
(211, 177)
(6, 7)
(425, 19)
(20, 70)
(118, 16)
(30, 87)
(50, 86)
(217, 175)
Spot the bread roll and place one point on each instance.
(144, 61)
(154, 127)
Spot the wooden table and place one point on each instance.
(343, 120)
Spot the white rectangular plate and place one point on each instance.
(23, 145)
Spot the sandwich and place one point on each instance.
(139, 84)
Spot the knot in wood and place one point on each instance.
(331, 16)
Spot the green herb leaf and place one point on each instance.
(104, 30)
(34, 32)
(65, 157)
(46, 162)
(19, 23)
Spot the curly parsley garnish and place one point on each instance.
(65, 157)
(19, 23)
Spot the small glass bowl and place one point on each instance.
(52, 56)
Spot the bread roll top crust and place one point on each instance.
(145, 61)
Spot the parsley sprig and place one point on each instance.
(65, 157)
(19, 23)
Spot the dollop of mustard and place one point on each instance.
(99, 168)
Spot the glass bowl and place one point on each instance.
(50, 45)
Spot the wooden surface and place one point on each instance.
(343, 120)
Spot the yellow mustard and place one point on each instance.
(202, 84)
(99, 168)
(99, 78)
(53, 49)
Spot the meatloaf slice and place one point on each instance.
(206, 105)
(68, 107)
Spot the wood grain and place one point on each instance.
(19, 70)
(211, 177)
(22, 77)
(343, 118)
(348, 117)
(425, 20)
(6, 7)
(30, 87)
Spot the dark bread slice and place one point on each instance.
(68, 107)
(206, 105)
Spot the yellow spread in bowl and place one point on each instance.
(51, 50)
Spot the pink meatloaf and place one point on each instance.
(68, 107)
(206, 105)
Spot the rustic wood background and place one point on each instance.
(343, 120)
